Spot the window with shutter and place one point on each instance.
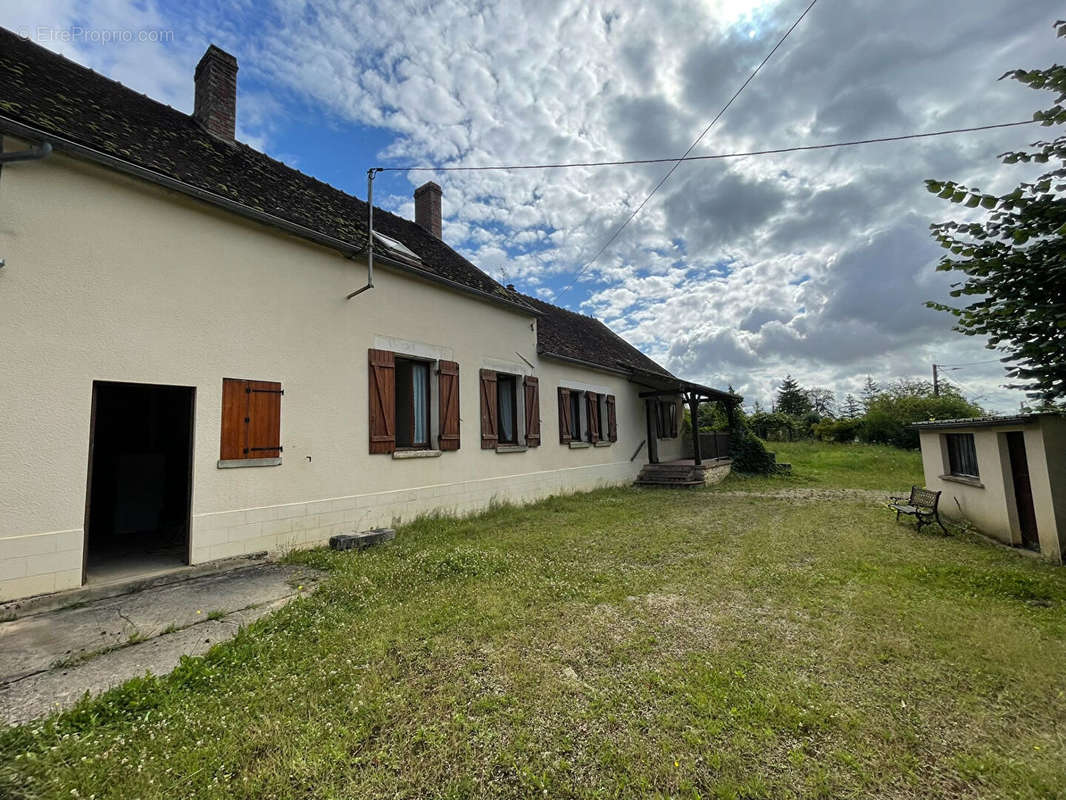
(564, 416)
(251, 420)
(532, 409)
(448, 390)
(412, 403)
(592, 413)
(666, 417)
(489, 410)
(382, 383)
(575, 415)
(507, 408)
(612, 419)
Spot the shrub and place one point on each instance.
(750, 455)
(844, 431)
(777, 426)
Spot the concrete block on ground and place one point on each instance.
(361, 540)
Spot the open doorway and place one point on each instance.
(140, 479)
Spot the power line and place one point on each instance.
(670, 172)
(717, 156)
(974, 363)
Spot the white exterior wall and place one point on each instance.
(109, 278)
(990, 502)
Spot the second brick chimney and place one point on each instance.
(427, 207)
(216, 93)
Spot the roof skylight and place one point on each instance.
(397, 248)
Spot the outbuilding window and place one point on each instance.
(962, 455)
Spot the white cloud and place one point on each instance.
(738, 271)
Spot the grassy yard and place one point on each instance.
(848, 466)
(620, 643)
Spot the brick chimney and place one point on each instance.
(427, 207)
(216, 93)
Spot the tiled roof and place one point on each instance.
(45, 91)
(582, 338)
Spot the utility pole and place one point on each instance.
(936, 381)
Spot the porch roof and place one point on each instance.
(658, 384)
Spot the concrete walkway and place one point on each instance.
(48, 661)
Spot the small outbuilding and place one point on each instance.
(1005, 475)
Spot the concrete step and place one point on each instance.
(668, 484)
(93, 591)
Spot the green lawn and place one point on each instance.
(849, 466)
(622, 643)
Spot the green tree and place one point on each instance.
(823, 402)
(1015, 260)
(905, 402)
(869, 392)
(791, 399)
(850, 409)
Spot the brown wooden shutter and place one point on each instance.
(264, 420)
(612, 419)
(592, 406)
(489, 411)
(382, 382)
(532, 411)
(251, 419)
(234, 412)
(675, 416)
(448, 385)
(564, 415)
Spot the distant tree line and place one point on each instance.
(879, 414)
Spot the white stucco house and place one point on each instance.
(1006, 475)
(185, 377)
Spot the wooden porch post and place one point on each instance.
(694, 413)
(731, 415)
(653, 442)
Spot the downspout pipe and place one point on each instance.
(370, 174)
(43, 150)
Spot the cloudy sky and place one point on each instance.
(738, 271)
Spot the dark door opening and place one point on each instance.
(1023, 491)
(140, 479)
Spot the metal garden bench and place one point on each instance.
(922, 505)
